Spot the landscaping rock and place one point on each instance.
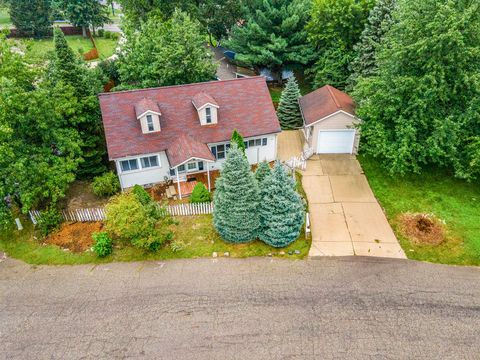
(281, 253)
(297, 252)
(226, 254)
(290, 252)
(214, 254)
(269, 254)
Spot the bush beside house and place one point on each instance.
(106, 184)
(200, 194)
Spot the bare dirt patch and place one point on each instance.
(76, 237)
(422, 228)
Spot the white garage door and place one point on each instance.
(335, 141)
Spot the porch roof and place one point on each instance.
(185, 148)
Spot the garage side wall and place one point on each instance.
(338, 121)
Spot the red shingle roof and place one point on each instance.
(145, 105)
(244, 104)
(185, 148)
(323, 102)
(202, 98)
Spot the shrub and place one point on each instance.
(107, 34)
(49, 220)
(106, 184)
(114, 36)
(200, 194)
(101, 32)
(103, 244)
(142, 195)
(146, 226)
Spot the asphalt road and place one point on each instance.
(345, 308)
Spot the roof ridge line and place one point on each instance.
(335, 100)
(180, 85)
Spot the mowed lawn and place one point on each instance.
(197, 234)
(4, 17)
(37, 50)
(455, 201)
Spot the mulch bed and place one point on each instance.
(76, 237)
(422, 228)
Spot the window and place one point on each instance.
(251, 143)
(200, 165)
(219, 151)
(258, 142)
(264, 142)
(181, 168)
(246, 144)
(149, 161)
(150, 123)
(172, 172)
(129, 165)
(208, 113)
(192, 166)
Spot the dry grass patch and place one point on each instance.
(76, 237)
(422, 228)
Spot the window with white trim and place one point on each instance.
(129, 165)
(192, 166)
(219, 151)
(208, 115)
(256, 142)
(149, 161)
(150, 126)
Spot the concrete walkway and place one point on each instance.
(346, 219)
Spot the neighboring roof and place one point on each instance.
(323, 102)
(144, 105)
(186, 148)
(201, 99)
(245, 105)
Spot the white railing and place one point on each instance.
(296, 162)
(98, 214)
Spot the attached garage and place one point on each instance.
(330, 124)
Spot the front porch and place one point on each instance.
(185, 186)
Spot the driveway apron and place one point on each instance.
(345, 216)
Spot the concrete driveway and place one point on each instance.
(345, 216)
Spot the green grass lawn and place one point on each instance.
(455, 201)
(196, 232)
(4, 17)
(38, 49)
(303, 83)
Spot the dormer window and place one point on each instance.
(207, 108)
(208, 115)
(148, 114)
(150, 125)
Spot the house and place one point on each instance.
(169, 133)
(330, 121)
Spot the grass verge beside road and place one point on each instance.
(455, 201)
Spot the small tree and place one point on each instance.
(288, 109)
(236, 199)
(263, 170)
(106, 184)
(131, 217)
(281, 209)
(238, 139)
(85, 13)
(200, 194)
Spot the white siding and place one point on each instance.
(144, 176)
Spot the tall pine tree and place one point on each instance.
(238, 139)
(288, 111)
(379, 22)
(281, 209)
(236, 196)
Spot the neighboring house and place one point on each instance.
(330, 121)
(158, 134)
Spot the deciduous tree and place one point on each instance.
(423, 106)
(31, 17)
(165, 53)
(85, 13)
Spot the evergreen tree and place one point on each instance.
(31, 17)
(333, 30)
(238, 139)
(68, 69)
(263, 170)
(281, 209)
(200, 194)
(236, 197)
(379, 22)
(288, 111)
(272, 35)
(165, 53)
(423, 105)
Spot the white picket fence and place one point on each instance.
(98, 214)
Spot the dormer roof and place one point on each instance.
(201, 99)
(146, 105)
